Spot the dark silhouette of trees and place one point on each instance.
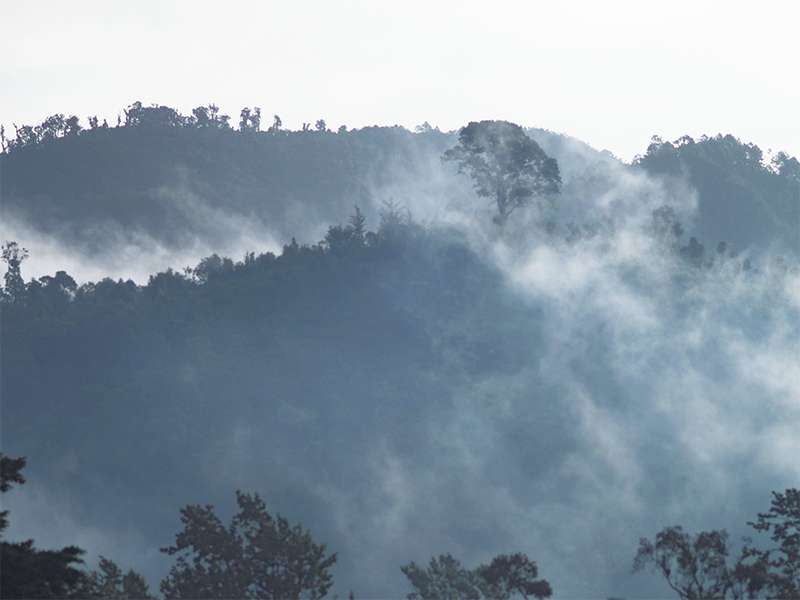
(209, 117)
(29, 573)
(250, 121)
(782, 521)
(258, 556)
(13, 256)
(694, 566)
(110, 583)
(506, 165)
(701, 566)
(507, 575)
(153, 117)
(446, 579)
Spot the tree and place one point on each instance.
(694, 251)
(783, 521)
(446, 579)
(210, 117)
(29, 573)
(697, 568)
(153, 117)
(13, 256)
(506, 166)
(256, 557)
(507, 575)
(110, 583)
(343, 239)
(248, 120)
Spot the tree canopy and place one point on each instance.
(506, 165)
(446, 579)
(257, 556)
(29, 573)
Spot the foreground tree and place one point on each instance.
(110, 583)
(506, 576)
(701, 566)
(256, 557)
(29, 573)
(783, 562)
(506, 166)
(515, 574)
(694, 566)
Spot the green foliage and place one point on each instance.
(256, 557)
(506, 165)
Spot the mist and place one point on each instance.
(627, 390)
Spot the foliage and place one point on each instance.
(29, 573)
(446, 579)
(783, 522)
(506, 165)
(507, 575)
(110, 583)
(13, 256)
(742, 198)
(694, 566)
(256, 557)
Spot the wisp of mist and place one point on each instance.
(655, 393)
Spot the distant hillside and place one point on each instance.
(174, 178)
(563, 386)
(741, 200)
(156, 178)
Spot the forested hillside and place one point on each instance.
(160, 177)
(415, 381)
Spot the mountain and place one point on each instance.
(563, 386)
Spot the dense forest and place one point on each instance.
(557, 368)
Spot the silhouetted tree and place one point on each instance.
(506, 165)
(446, 579)
(250, 120)
(154, 116)
(13, 256)
(783, 522)
(694, 251)
(110, 583)
(696, 567)
(256, 557)
(507, 575)
(29, 573)
(210, 117)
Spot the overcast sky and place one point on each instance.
(611, 73)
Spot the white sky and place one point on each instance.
(611, 73)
